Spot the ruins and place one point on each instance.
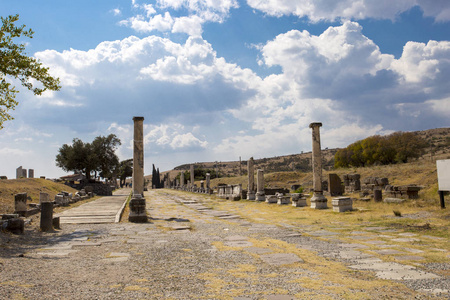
(251, 179)
(260, 194)
(137, 203)
(318, 200)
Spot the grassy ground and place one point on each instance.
(421, 172)
(31, 186)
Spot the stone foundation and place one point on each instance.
(341, 204)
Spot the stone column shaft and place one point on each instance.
(192, 175)
(182, 179)
(318, 200)
(251, 179)
(138, 157)
(137, 204)
(260, 194)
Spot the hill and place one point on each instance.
(438, 139)
(31, 186)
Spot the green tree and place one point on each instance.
(104, 148)
(125, 170)
(15, 64)
(87, 158)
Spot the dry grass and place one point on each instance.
(31, 186)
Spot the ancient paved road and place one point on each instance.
(192, 250)
(104, 210)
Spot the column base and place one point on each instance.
(318, 201)
(260, 196)
(138, 213)
(251, 196)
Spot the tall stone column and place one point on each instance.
(260, 194)
(318, 200)
(137, 203)
(182, 179)
(138, 156)
(251, 179)
(192, 177)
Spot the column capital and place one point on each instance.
(315, 124)
(138, 119)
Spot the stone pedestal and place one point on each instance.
(298, 200)
(271, 199)
(137, 210)
(318, 200)
(283, 200)
(251, 195)
(46, 216)
(377, 195)
(20, 204)
(341, 204)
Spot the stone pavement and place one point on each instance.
(104, 210)
(189, 250)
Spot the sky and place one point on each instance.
(216, 80)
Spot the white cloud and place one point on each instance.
(350, 9)
(423, 62)
(157, 22)
(116, 12)
(197, 13)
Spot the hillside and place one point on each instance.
(438, 139)
(8, 188)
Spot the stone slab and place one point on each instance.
(409, 257)
(258, 250)
(238, 244)
(280, 258)
(388, 252)
(405, 240)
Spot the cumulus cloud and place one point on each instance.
(158, 17)
(349, 9)
(342, 79)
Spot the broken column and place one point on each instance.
(192, 177)
(208, 183)
(137, 203)
(30, 173)
(318, 200)
(20, 204)
(19, 172)
(182, 180)
(260, 195)
(46, 223)
(251, 179)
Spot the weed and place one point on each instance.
(397, 213)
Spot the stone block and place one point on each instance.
(334, 185)
(261, 196)
(20, 202)
(342, 204)
(298, 200)
(14, 225)
(137, 210)
(271, 199)
(284, 200)
(46, 222)
(394, 200)
(377, 195)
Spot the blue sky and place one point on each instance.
(219, 79)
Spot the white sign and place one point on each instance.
(443, 172)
